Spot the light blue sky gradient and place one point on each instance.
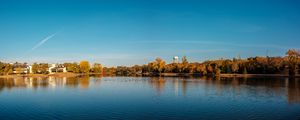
(127, 32)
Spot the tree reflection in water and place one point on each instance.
(236, 87)
(254, 87)
(47, 82)
(158, 83)
(84, 81)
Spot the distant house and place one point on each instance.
(56, 68)
(20, 68)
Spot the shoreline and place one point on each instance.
(221, 75)
(257, 75)
(46, 75)
(147, 75)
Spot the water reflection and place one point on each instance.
(293, 91)
(84, 82)
(158, 83)
(253, 87)
(237, 87)
(44, 82)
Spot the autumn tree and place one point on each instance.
(136, 69)
(209, 68)
(184, 65)
(1, 68)
(201, 69)
(41, 68)
(145, 69)
(19, 70)
(275, 64)
(176, 67)
(97, 68)
(159, 65)
(217, 72)
(226, 66)
(84, 66)
(35, 68)
(234, 66)
(169, 68)
(72, 67)
(7, 69)
(109, 71)
(191, 68)
(292, 56)
(44, 68)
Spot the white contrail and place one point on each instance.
(41, 42)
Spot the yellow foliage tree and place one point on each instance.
(84, 66)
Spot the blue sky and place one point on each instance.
(127, 32)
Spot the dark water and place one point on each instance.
(150, 98)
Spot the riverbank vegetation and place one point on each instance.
(288, 65)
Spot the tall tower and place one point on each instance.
(175, 59)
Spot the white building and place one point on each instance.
(20, 68)
(175, 59)
(55, 68)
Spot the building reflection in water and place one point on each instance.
(48, 82)
(176, 86)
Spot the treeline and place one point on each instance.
(43, 68)
(5, 68)
(84, 67)
(253, 65)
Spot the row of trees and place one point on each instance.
(253, 65)
(43, 68)
(5, 68)
(40, 68)
(83, 67)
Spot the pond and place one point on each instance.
(149, 98)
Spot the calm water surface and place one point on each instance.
(149, 98)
